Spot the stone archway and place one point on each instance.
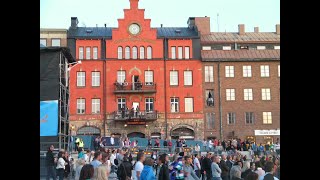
(184, 131)
(89, 130)
(136, 134)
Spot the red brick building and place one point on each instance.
(158, 70)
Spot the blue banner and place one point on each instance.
(49, 118)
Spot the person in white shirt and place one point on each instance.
(138, 166)
(86, 157)
(61, 165)
(112, 140)
(210, 144)
(197, 149)
(196, 165)
(112, 158)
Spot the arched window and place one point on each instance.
(134, 52)
(127, 55)
(119, 52)
(149, 52)
(141, 52)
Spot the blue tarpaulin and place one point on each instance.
(49, 118)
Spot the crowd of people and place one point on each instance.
(211, 164)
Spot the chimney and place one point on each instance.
(134, 4)
(74, 22)
(191, 22)
(256, 29)
(278, 29)
(161, 25)
(203, 24)
(241, 29)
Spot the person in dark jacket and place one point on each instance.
(164, 170)
(124, 169)
(224, 168)
(206, 166)
(51, 172)
(229, 162)
(165, 143)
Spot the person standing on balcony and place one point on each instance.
(137, 111)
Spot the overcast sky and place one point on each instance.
(171, 13)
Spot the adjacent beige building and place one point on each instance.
(53, 37)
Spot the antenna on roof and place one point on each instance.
(218, 21)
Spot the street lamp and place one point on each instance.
(74, 64)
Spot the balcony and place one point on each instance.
(132, 116)
(134, 88)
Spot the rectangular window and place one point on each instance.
(81, 79)
(230, 94)
(121, 103)
(210, 120)
(247, 94)
(266, 95)
(246, 71)
(188, 78)
(264, 70)
(186, 52)
(267, 118)
(229, 71)
(88, 52)
(43, 42)
(80, 52)
(55, 42)
(95, 52)
(149, 104)
(188, 104)
(231, 117)
(95, 78)
(95, 106)
(81, 105)
(209, 97)
(206, 48)
(173, 52)
(179, 52)
(278, 70)
(208, 73)
(174, 104)
(261, 47)
(121, 76)
(249, 117)
(148, 77)
(174, 78)
(226, 48)
(276, 47)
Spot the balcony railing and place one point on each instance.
(136, 87)
(134, 115)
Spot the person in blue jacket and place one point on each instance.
(147, 172)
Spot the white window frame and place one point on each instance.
(95, 52)
(88, 52)
(149, 52)
(174, 78)
(247, 72)
(148, 102)
(206, 48)
(247, 95)
(186, 52)
(180, 52)
(173, 52)
(121, 76)
(81, 106)
(278, 70)
(54, 41)
(187, 77)
(95, 106)
(95, 81)
(121, 103)
(174, 104)
(267, 117)
(231, 118)
(208, 73)
(230, 94)
(148, 77)
(43, 42)
(81, 79)
(120, 52)
(261, 47)
(251, 117)
(266, 94)
(134, 52)
(81, 55)
(265, 71)
(276, 47)
(141, 55)
(127, 52)
(229, 70)
(226, 48)
(188, 104)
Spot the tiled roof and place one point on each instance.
(106, 32)
(235, 37)
(240, 55)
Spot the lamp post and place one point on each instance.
(71, 65)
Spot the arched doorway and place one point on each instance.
(182, 131)
(155, 135)
(136, 134)
(89, 130)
